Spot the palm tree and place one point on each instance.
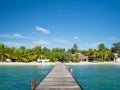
(101, 49)
(90, 54)
(21, 50)
(95, 54)
(16, 54)
(74, 49)
(9, 52)
(2, 51)
(90, 51)
(107, 53)
(37, 51)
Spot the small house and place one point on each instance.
(81, 56)
(43, 60)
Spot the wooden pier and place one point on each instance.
(59, 79)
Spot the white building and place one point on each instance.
(116, 59)
(43, 60)
(8, 60)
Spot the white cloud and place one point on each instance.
(112, 38)
(62, 41)
(5, 35)
(40, 42)
(13, 44)
(8, 35)
(75, 37)
(17, 35)
(86, 44)
(95, 44)
(43, 30)
(92, 45)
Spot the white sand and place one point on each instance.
(93, 63)
(50, 63)
(22, 63)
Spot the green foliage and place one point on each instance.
(74, 49)
(27, 55)
(99, 59)
(85, 52)
(25, 59)
(76, 59)
(111, 57)
(102, 49)
(1, 52)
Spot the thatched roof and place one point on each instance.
(81, 56)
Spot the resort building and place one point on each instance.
(117, 58)
(81, 57)
(43, 60)
(10, 60)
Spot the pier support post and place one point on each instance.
(33, 84)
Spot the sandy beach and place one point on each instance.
(51, 63)
(93, 63)
(22, 63)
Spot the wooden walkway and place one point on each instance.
(58, 79)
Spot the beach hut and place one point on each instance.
(8, 60)
(43, 60)
(81, 57)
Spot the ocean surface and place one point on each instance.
(90, 77)
(97, 77)
(19, 77)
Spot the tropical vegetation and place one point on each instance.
(101, 53)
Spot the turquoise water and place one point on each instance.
(19, 77)
(90, 77)
(97, 77)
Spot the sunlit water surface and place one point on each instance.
(19, 77)
(97, 77)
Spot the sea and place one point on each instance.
(19, 77)
(97, 77)
(89, 77)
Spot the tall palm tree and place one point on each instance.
(9, 52)
(74, 49)
(16, 54)
(21, 50)
(95, 54)
(107, 53)
(2, 51)
(37, 51)
(90, 51)
(101, 49)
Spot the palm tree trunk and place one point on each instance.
(2, 58)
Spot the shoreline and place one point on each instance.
(51, 63)
(24, 64)
(94, 63)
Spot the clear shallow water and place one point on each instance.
(97, 77)
(19, 77)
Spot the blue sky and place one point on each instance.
(59, 23)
